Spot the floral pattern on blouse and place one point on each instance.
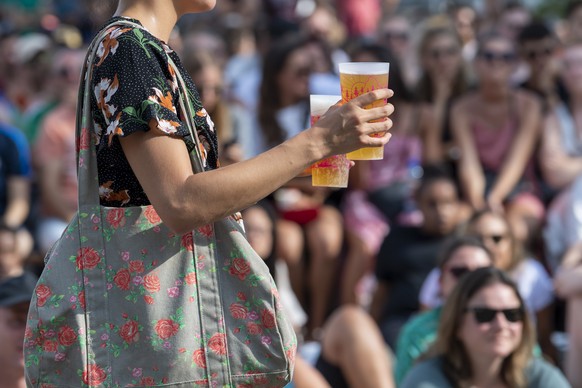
(134, 84)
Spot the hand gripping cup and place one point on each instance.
(357, 78)
(333, 171)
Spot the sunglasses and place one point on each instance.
(496, 238)
(491, 56)
(457, 272)
(396, 36)
(486, 315)
(535, 54)
(301, 72)
(444, 52)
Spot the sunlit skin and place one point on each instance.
(492, 341)
(488, 226)
(439, 205)
(259, 231)
(293, 79)
(572, 70)
(442, 58)
(496, 71)
(470, 257)
(12, 326)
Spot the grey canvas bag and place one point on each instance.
(124, 302)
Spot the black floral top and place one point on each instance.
(133, 84)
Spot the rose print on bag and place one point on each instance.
(122, 279)
(116, 217)
(166, 328)
(152, 216)
(190, 278)
(43, 292)
(268, 319)
(240, 268)
(254, 329)
(87, 258)
(206, 230)
(238, 311)
(50, 346)
(186, 242)
(199, 358)
(67, 336)
(151, 283)
(217, 344)
(94, 376)
(129, 331)
(136, 266)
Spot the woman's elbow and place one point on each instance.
(179, 218)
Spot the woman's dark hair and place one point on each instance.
(425, 87)
(489, 36)
(269, 93)
(536, 30)
(456, 360)
(455, 243)
(572, 7)
(432, 174)
(383, 54)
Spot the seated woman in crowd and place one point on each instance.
(568, 283)
(442, 81)
(533, 281)
(496, 128)
(485, 339)
(561, 161)
(460, 256)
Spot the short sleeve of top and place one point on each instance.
(134, 84)
(535, 285)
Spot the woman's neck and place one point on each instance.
(158, 17)
(494, 92)
(486, 372)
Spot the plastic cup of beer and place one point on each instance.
(332, 171)
(357, 78)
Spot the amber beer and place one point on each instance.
(357, 78)
(333, 171)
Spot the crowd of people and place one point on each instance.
(454, 261)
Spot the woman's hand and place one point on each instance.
(568, 282)
(347, 127)
(495, 203)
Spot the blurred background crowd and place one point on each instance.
(484, 169)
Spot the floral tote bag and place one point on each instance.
(124, 302)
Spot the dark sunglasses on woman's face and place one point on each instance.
(438, 53)
(459, 271)
(535, 54)
(491, 56)
(395, 35)
(496, 238)
(486, 315)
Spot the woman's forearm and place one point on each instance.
(185, 200)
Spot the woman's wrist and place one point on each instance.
(313, 144)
